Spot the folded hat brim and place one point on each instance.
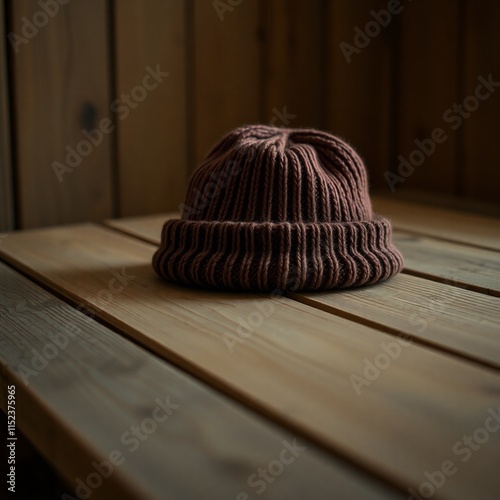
(283, 256)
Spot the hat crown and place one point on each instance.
(278, 209)
(270, 174)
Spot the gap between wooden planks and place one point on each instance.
(77, 407)
(449, 225)
(455, 320)
(454, 263)
(295, 367)
(468, 267)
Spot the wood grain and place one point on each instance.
(460, 265)
(481, 175)
(6, 186)
(76, 408)
(152, 139)
(359, 89)
(61, 79)
(451, 318)
(428, 76)
(293, 65)
(474, 230)
(305, 357)
(147, 228)
(434, 313)
(227, 59)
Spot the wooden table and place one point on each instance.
(135, 388)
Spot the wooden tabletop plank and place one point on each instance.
(456, 320)
(453, 319)
(309, 370)
(461, 265)
(475, 230)
(146, 227)
(80, 398)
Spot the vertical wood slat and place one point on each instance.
(61, 77)
(293, 54)
(227, 60)
(152, 139)
(480, 148)
(428, 77)
(358, 90)
(61, 85)
(6, 187)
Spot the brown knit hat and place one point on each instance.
(274, 208)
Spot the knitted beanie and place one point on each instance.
(278, 209)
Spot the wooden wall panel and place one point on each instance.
(479, 149)
(232, 63)
(152, 138)
(61, 78)
(428, 87)
(227, 58)
(6, 188)
(293, 58)
(358, 90)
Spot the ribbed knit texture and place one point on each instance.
(278, 209)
